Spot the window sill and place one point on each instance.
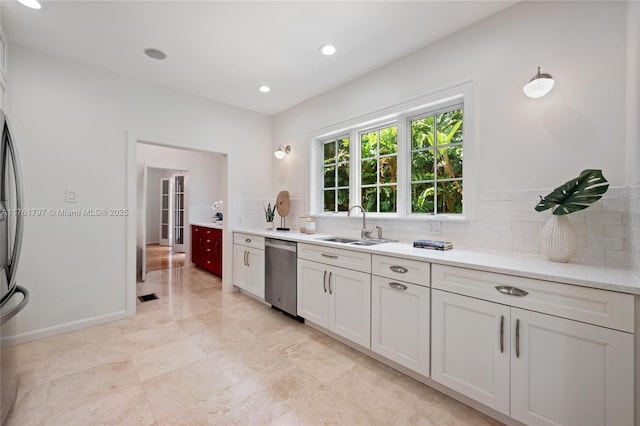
(395, 218)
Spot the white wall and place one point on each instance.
(521, 143)
(71, 123)
(633, 131)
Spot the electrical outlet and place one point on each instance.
(434, 227)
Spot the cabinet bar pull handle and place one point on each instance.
(399, 269)
(248, 240)
(517, 338)
(246, 262)
(248, 254)
(501, 333)
(324, 281)
(330, 292)
(200, 242)
(511, 291)
(398, 286)
(330, 256)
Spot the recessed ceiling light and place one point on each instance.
(264, 89)
(33, 4)
(154, 53)
(328, 49)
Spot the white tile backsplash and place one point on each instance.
(506, 220)
(608, 230)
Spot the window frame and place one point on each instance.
(401, 114)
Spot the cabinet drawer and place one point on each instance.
(208, 232)
(594, 306)
(248, 240)
(349, 259)
(412, 271)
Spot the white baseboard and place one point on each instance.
(65, 328)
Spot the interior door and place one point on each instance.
(145, 172)
(165, 212)
(179, 213)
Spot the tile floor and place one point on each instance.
(197, 356)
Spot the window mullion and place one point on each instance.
(354, 165)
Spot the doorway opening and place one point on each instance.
(166, 219)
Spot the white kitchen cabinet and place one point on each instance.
(400, 322)
(532, 366)
(470, 348)
(566, 372)
(337, 299)
(248, 264)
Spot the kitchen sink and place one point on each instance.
(356, 242)
(343, 240)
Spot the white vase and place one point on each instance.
(269, 226)
(558, 239)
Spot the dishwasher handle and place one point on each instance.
(281, 245)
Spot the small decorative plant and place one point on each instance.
(269, 212)
(558, 238)
(576, 194)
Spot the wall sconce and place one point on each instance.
(540, 85)
(282, 151)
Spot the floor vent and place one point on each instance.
(148, 297)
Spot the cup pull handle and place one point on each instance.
(511, 291)
(398, 286)
(399, 269)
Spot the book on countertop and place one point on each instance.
(433, 244)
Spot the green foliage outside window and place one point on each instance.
(436, 163)
(336, 175)
(379, 169)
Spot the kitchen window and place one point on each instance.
(379, 169)
(405, 161)
(436, 162)
(335, 173)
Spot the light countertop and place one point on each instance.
(538, 267)
(214, 225)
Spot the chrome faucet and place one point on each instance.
(364, 234)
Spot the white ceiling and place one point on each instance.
(225, 50)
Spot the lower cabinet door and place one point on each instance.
(241, 272)
(571, 373)
(350, 304)
(470, 347)
(255, 263)
(313, 294)
(400, 323)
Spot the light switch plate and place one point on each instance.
(434, 227)
(71, 196)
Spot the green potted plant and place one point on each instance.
(558, 238)
(269, 214)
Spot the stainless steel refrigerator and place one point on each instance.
(13, 298)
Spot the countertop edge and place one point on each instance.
(597, 276)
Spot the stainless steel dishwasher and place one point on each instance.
(281, 275)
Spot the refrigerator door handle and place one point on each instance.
(17, 245)
(14, 311)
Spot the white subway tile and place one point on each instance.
(617, 258)
(590, 255)
(612, 218)
(517, 226)
(614, 205)
(615, 230)
(606, 243)
(488, 196)
(510, 195)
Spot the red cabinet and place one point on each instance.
(206, 248)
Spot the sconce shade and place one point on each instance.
(282, 151)
(540, 85)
